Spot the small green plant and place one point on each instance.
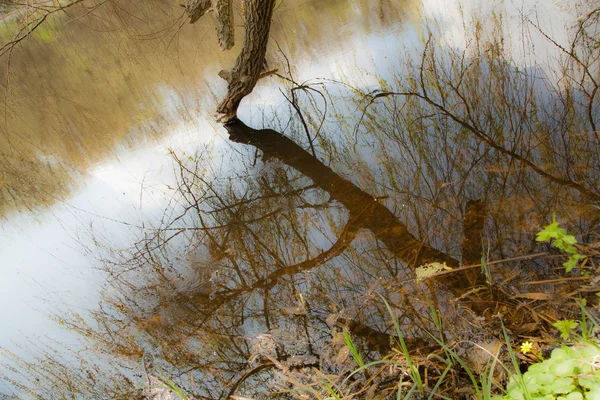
(589, 324)
(565, 327)
(571, 373)
(172, 385)
(561, 241)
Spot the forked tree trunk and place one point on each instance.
(368, 212)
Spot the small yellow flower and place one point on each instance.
(526, 347)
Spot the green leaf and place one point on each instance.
(565, 368)
(355, 354)
(570, 249)
(565, 327)
(562, 385)
(573, 396)
(572, 261)
(543, 236)
(570, 264)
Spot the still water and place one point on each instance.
(90, 153)
(169, 243)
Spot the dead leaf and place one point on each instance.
(298, 311)
(342, 355)
(482, 354)
(526, 328)
(534, 296)
(372, 391)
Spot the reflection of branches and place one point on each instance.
(269, 196)
(588, 75)
(487, 139)
(247, 375)
(366, 210)
(34, 23)
(295, 104)
(344, 240)
(446, 94)
(218, 299)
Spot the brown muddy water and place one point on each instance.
(141, 240)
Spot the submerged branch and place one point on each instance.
(473, 224)
(380, 341)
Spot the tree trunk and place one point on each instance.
(243, 76)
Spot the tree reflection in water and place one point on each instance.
(255, 269)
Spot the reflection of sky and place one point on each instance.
(45, 262)
(542, 13)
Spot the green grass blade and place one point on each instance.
(515, 364)
(356, 371)
(457, 358)
(352, 347)
(440, 380)
(171, 384)
(413, 370)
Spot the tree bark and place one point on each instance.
(224, 14)
(243, 76)
(196, 9)
(225, 31)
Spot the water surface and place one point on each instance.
(209, 251)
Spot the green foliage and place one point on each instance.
(413, 370)
(565, 327)
(355, 354)
(589, 324)
(562, 241)
(570, 373)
